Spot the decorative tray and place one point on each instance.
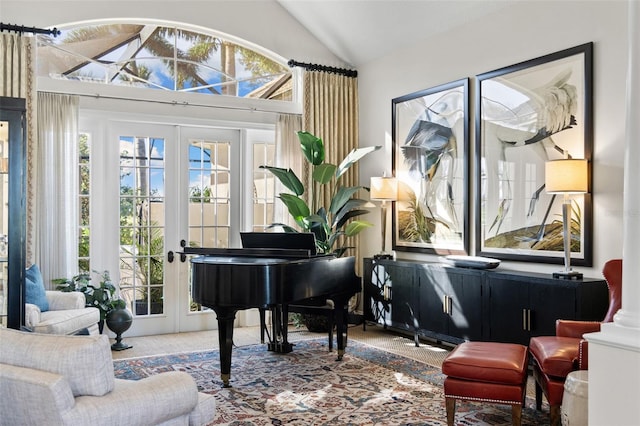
(475, 262)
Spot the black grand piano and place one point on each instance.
(284, 271)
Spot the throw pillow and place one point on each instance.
(34, 289)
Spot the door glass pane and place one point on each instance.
(84, 198)
(209, 197)
(263, 186)
(142, 193)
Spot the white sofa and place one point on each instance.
(67, 314)
(69, 380)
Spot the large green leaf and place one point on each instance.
(350, 214)
(334, 237)
(298, 209)
(343, 194)
(320, 230)
(353, 157)
(288, 178)
(312, 148)
(324, 172)
(351, 204)
(356, 226)
(316, 218)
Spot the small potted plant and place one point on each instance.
(102, 296)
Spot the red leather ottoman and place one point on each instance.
(486, 372)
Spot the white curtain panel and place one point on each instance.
(288, 156)
(57, 198)
(17, 80)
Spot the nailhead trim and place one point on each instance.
(497, 401)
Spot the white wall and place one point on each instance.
(522, 31)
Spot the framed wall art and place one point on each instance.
(527, 114)
(430, 161)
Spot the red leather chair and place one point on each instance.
(554, 357)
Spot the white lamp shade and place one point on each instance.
(567, 176)
(384, 188)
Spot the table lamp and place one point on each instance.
(384, 189)
(567, 176)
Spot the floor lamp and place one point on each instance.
(568, 176)
(384, 189)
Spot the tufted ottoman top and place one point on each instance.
(488, 362)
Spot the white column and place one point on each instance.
(614, 352)
(629, 314)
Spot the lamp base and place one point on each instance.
(571, 275)
(380, 256)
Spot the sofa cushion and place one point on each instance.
(34, 397)
(84, 361)
(34, 289)
(489, 362)
(68, 321)
(556, 356)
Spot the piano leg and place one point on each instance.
(263, 323)
(341, 309)
(226, 317)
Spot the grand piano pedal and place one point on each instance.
(280, 347)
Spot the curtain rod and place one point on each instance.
(316, 67)
(156, 101)
(22, 29)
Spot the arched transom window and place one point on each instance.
(162, 57)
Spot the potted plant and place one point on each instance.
(333, 226)
(102, 296)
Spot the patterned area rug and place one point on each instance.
(309, 387)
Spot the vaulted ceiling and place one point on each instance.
(359, 31)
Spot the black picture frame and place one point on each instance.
(430, 131)
(526, 114)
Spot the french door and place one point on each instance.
(175, 186)
(210, 207)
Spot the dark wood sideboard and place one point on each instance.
(452, 304)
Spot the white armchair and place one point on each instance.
(67, 314)
(69, 380)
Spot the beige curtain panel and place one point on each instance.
(331, 113)
(17, 80)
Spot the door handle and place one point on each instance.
(526, 319)
(170, 257)
(446, 304)
(183, 257)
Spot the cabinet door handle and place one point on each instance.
(524, 319)
(446, 304)
(528, 319)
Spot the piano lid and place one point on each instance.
(280, 240)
